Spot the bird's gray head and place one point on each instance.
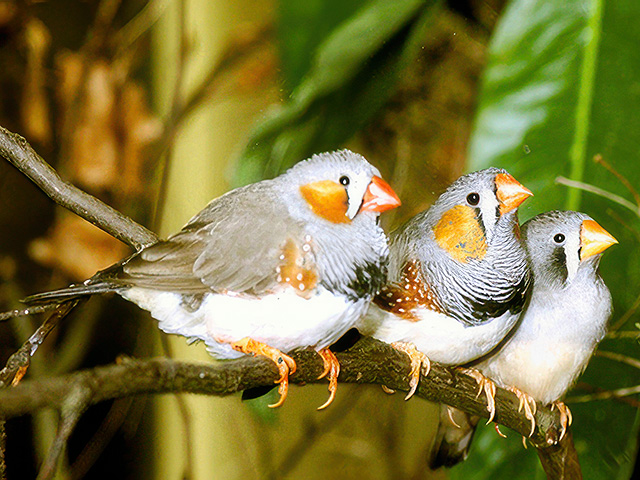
(561, 244)
(472, 207)
(337, 187)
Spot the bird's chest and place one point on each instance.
(284, 320)
(544, 370)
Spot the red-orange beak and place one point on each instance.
(510, 192)
(594, 239)
(379, 196)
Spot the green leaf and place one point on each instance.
(563, 85)
(352, 74)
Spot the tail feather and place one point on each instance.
(453, 439)
(68, 293)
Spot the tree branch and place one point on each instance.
(368, 361)
(19, 153)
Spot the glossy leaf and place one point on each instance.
(563, 86)
(351, 75)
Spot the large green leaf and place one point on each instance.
(562, 86)
(351, 75)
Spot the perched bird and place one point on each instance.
(565, 319)
(458, 275)
(283, 263)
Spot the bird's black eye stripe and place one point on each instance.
(473, 199)
(558, 238)
(344, 180)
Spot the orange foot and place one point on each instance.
(484, 384)
(332, 368)
(22, 371)
(565, 416)
(419, 362)
(528, 403)
(286, 365)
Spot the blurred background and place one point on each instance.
(157, 107)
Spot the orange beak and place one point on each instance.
(379, 197)
(510, 192)
(594, 239)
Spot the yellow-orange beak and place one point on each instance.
(379, 196)
(510, 192)
(594, 239)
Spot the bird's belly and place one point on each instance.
(543, 370)
(442, 338)
(284, 320)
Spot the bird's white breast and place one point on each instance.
(284, 320)
(553, 342)
(442, 338)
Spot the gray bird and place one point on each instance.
(458, 275)
(558, 332)
(280, 264)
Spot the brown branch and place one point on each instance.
(369, 361)
(19, 153)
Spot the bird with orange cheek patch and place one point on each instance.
(273, 266)
(458, 275)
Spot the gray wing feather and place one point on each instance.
(233, 244)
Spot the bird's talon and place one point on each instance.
(528, 405)
(332, 368)
(497, 427)
(286, 365)
(565, 417)
(387, 390)
(488, 387)
(419, 361)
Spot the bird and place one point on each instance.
(458, 275)
(284, 263)
(558, 332)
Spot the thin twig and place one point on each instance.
(185, 416)
(124, 38)
(235, 53)
(18, 363)
(19, 153)
(627, 315)
(630, 334)
(95, 446)
(177, 105)
(4, 316)
(606, 395)
(600, 192)
(621, 178)
(72, 409)
(3, 445)
(619, 357)
(314, 429)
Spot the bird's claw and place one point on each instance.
(488, 386)
(566, 419)
(332, 368)
(528, 405)
(286, 365)
(420, 364)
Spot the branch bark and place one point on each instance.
(368, 361)
(19, 153)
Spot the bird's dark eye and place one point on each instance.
(558, 238)
(473, 199)
(344, 180)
